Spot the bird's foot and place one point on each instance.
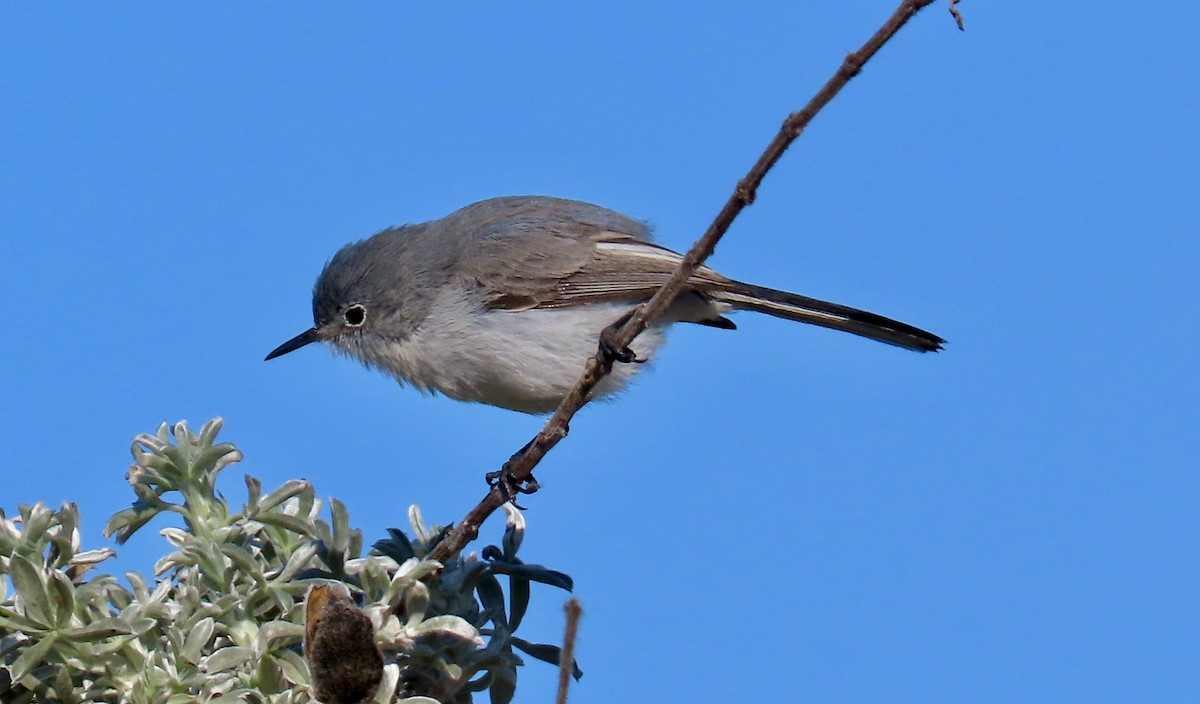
(609, 347)
(511, 486)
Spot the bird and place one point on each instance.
(502, 302)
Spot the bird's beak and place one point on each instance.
(309, 335)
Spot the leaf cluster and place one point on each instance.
(221, 620)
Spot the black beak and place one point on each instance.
(309, 335)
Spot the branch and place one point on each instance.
(958, 18)
(566, 659)
(522, 463)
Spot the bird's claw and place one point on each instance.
(510, 486)
(617, 354)
(611, 350)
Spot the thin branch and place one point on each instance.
(566, 659)
(957, 14)
(522, 463)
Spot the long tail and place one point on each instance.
(828, 315)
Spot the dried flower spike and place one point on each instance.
(339, 646)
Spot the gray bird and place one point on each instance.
(503, 301)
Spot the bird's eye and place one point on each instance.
(355, 316)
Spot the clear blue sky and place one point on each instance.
(780, 513)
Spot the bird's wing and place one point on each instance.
(627, 270)
(530, 253)
(564, 272)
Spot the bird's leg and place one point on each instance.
(609, 348)
(510, 486)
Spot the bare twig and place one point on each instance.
(566, 660)
(521, 465)
(958, 19)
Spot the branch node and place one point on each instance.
(852, 64)
(745, 192)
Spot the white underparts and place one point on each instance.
(524, 360)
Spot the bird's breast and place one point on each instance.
(523, 360)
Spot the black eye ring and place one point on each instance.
(355, 315)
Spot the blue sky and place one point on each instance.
(782, 511)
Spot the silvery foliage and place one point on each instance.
(222, 621)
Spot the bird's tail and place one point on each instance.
(829, 315)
